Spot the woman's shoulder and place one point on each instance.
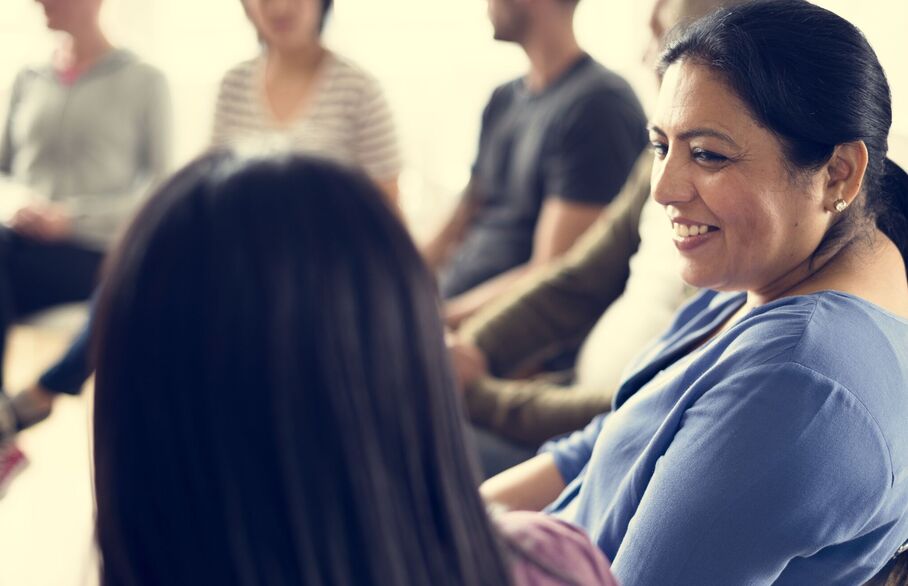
(828, 332)
(144, 80)
(546, 551)
(851, 351)
(347, 74)
(349, 67)
(241, 75)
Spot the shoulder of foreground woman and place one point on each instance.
(546, 551)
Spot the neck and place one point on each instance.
(807, 277)
(83, 47)
(297, 62)
(551, 50)
(871, 268)
(846, 269)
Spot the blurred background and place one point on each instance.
(436, 60)
(438, 64)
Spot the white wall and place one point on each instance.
(435, 58)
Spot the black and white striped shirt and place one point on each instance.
(347, 120)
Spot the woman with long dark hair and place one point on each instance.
(278, 408)
(762, 439)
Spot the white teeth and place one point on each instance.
(684, 230)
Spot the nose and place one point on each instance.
(276, 6)
(669, 181)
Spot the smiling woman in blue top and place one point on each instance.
(762, 439)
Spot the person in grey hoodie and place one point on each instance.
(84, 137)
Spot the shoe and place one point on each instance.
(20, 412)
(9, 423)
(29, 410)
(12, 462)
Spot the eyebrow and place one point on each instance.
(696, 133)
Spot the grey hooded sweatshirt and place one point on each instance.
(94, 145)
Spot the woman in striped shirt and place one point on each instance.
(300, 96)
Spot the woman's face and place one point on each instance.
(70, 15)
(739, 219)
(286, 24)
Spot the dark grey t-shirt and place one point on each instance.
(576, 140)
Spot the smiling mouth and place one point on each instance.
(690, 230)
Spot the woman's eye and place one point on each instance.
(708, 157)
(659, 149)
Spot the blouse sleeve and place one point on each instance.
(747, 485)
(377, 149)
(572, 452)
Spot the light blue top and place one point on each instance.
(775, 453)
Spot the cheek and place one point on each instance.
(775, 228)
(310, 15)
(750, 229)
(313, 10)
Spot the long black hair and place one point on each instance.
(274, 403)
(811, 78)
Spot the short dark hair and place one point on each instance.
(326, 10)
(274, 403)
(811, 78)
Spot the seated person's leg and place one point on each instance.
(37, 275)
(68, 374)
(42, 275)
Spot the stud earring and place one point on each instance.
(840, 205)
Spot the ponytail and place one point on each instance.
(892, 206)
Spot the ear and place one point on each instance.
(845, 173)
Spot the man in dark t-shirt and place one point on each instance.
(555, 147)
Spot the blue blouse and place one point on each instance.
(775, 453)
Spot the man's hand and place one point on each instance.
(469, 362)
(42, 221)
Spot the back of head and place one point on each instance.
(273, 402)
(812, 79)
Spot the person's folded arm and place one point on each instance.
(532, 411)
(560, 223)
(536, 483)
(528, 486)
